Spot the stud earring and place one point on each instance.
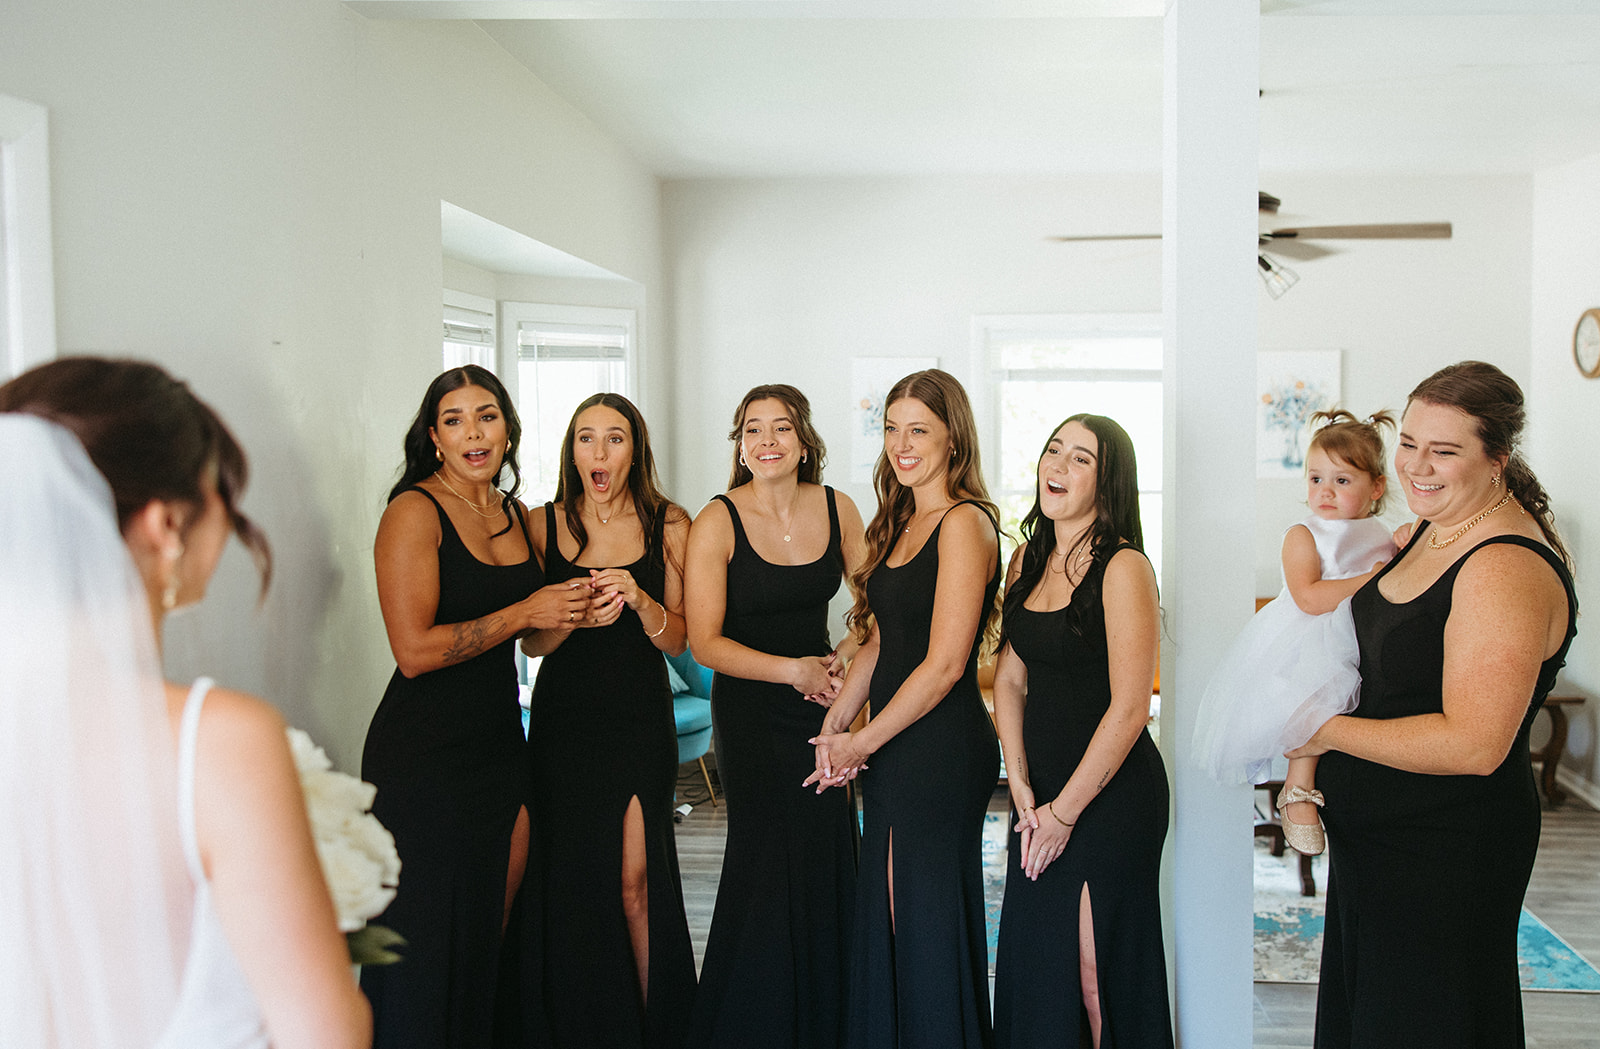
(1494, 482)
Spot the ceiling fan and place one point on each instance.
(1299, 242)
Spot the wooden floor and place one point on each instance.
(1564, 892)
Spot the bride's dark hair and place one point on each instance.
(146, 432)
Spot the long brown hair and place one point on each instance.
(644, 487)
(799, 410)
(147, 433)
(1494, 400)
(947, 399)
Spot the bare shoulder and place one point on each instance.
(969, 524)
(1504, 572)
(714, 515)
(848, 511)
(410, 514)
(240, 724)
(1129, 567)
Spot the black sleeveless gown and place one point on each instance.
(445, 751)
(777, 956)
(601, 733)
(1426, 873)
(1115, 850)
(923, 983)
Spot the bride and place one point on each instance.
(158, 883)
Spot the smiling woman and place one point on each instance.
(1461, 637)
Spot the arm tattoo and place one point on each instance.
(471, 639)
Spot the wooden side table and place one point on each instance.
(1550, 755)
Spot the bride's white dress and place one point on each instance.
(216, 1008)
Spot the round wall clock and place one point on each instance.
(1586, 343)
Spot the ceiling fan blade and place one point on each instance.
(1300, 250)
(1380, 231)
(1107, 236)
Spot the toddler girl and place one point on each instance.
(1294, 665)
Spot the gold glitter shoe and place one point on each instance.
(1306, 838)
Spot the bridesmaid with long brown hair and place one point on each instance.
(926, 599)
(764, 561)
(617, 967)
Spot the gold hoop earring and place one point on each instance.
(437, 454)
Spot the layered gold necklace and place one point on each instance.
(1435, 543)
(493, 508)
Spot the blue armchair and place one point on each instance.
(691, 708)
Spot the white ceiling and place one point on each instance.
(795, 88)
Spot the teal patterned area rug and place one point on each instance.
(1288, 939)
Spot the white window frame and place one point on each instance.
(991, 330)
(469, 323)
(515, 316)
(27, 272)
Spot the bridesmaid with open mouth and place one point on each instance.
(618, 969)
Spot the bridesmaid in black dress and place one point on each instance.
(1461, 637)
(1080, 958)
(458, 582)
(764, 561)
(920, 974)
(617, 966)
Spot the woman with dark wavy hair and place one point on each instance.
(764, 561)
(609, 926)
(925, 600)
(459, 581)
(1461, 637)
(1080, 959)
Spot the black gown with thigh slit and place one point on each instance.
(601, 733)
(923, 981)
(445, 751)
(1426, 873)
(777, 956)
(1114, 852)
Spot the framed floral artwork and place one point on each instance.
(1291, 386)
(870, 381)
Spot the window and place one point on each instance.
(556, 357)
(468, 331)
(1042, 370)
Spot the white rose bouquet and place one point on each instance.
(357, 854)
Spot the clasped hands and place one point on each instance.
(818, 678)
(1044, 835)
(839, 760)
(593, 602)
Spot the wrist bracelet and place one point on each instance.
(1051, 805)
(663, 625)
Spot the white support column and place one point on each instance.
(1209, 303)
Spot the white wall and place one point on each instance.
(1564, 423)
(249, 194)
(787, 281)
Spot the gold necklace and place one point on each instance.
(492, 512)
(1434, 543)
